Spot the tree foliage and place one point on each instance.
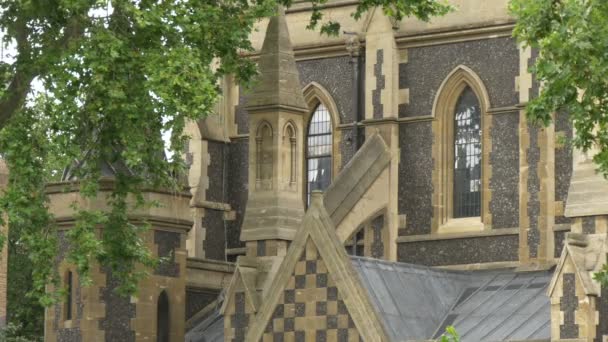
(115, 75)
(572, 39)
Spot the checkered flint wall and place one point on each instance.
(311, 308)
(238, 316)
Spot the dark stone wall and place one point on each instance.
(588, 223)
(216, 171)
(215, 236)
(241, 115)
(380, 83)
(377, 246)
(198, 299)
(602, 308)
(336, 75)
(560, 239)
(534, 90)
(167, 243)
(533, 159)
(569, 305)
(496, 61)
(504, 159)
(563, 161)
(415, 177)
(119, 312)
(237, 189)
(69, 335)
(460, 251)
(240, 319)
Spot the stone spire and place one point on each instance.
(279, 82)
(275, 206)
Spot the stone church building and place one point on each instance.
(380, 185)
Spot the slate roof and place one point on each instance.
(417, 302)
(210, 329)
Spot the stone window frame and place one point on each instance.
(443, 113)
(315, 94)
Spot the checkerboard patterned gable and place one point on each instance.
(238, 316)
(311, 308)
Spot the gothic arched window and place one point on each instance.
(162, 318)
(461, 197)
(318, 151)
(467, 156)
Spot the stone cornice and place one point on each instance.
(404, 41)
(456, 34)
(463, 235)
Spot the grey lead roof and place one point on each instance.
(417, 302)
(211, 329)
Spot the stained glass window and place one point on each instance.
(318, 151)
(467, 156)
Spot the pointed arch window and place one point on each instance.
(467, 156)
(461, 144)
(318, 151)
(162, 318)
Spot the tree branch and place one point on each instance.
(21, 81)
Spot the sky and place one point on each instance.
(8, 53)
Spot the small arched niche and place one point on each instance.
(264, 160)
(288, 152)
(162, 318)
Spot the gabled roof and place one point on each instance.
(244, 277)
(587, 253)
(417, 302)
(318, 227)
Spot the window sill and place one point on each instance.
(457, 235)
(462, 225)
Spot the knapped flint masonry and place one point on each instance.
(439, 203)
